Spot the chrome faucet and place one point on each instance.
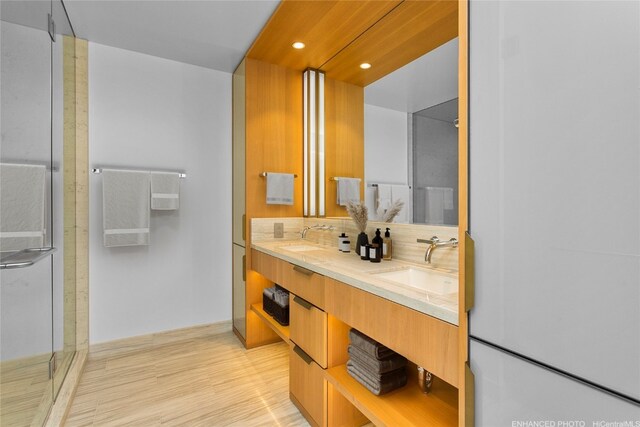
(433, 243)
(315, 227)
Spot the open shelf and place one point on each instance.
(405, 406)
(282, 331)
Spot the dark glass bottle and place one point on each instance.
(361, 246)
(375, 255)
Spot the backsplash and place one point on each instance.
(262, 228)
(405, 246)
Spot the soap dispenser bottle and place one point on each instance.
(375, 254)
(387, 246)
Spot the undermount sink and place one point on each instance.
(427, 280)
(300, 248)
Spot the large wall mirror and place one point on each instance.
(411, 139)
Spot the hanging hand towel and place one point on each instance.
(279, 188)
(448, 198)
(348, 190)
(402, 193)
(434, 208)
(383, 201)
(22, 206)
(165, 191)
(125, 205)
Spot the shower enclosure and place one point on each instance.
(37, 214)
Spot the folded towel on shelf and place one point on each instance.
(279, 188)
(375, 377)
(22, 206)
(392, 380)
(125, 205)
(165, 191)
(374, 365)
(368, 345)
(348, 190)
(281, 297)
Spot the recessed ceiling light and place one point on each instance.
(298, 45)
(365, 65)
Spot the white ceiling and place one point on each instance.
(210, 33)
(429, 80)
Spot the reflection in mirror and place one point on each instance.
(411, 150)
(435, 164)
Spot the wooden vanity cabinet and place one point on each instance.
(307, 386)
(304, 283)
(319, 384)
(308, 326)
(425, 340)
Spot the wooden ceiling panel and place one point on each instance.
(405, 34)
(325, 27)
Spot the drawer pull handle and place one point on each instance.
(302, 302)
(244, 268)
(304, 356)
(302, 270)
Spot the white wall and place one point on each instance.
(385, 145)
(152, 113)
(385, 151)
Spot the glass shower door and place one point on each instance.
(27, 174)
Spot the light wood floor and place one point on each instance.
(24, 386)
(206, 381)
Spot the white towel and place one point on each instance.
(448, 198)
(165, 191)
(125, 205)
(370, 194)
(22, 206)
(434, 209)
(401, 192)
(348, 190)
(279, 188)
(384, 198)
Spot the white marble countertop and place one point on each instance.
(350, 269)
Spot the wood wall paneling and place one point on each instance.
(465, 390)
(324, 26)
(273, 132)
(239, 153)
(82, 194)
(409, 31)
(274, 135)
(344, 138)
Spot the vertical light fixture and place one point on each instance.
(314, 174)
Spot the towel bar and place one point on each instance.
(264, 174)
(375, 185)
(180, 174)
(25, 257)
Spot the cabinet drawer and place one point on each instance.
(305, 283)
(307, 384)
(270, 267)
(308, 328)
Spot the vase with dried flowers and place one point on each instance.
(359, 214)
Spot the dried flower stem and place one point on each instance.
(393, 210)
(359, 214)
